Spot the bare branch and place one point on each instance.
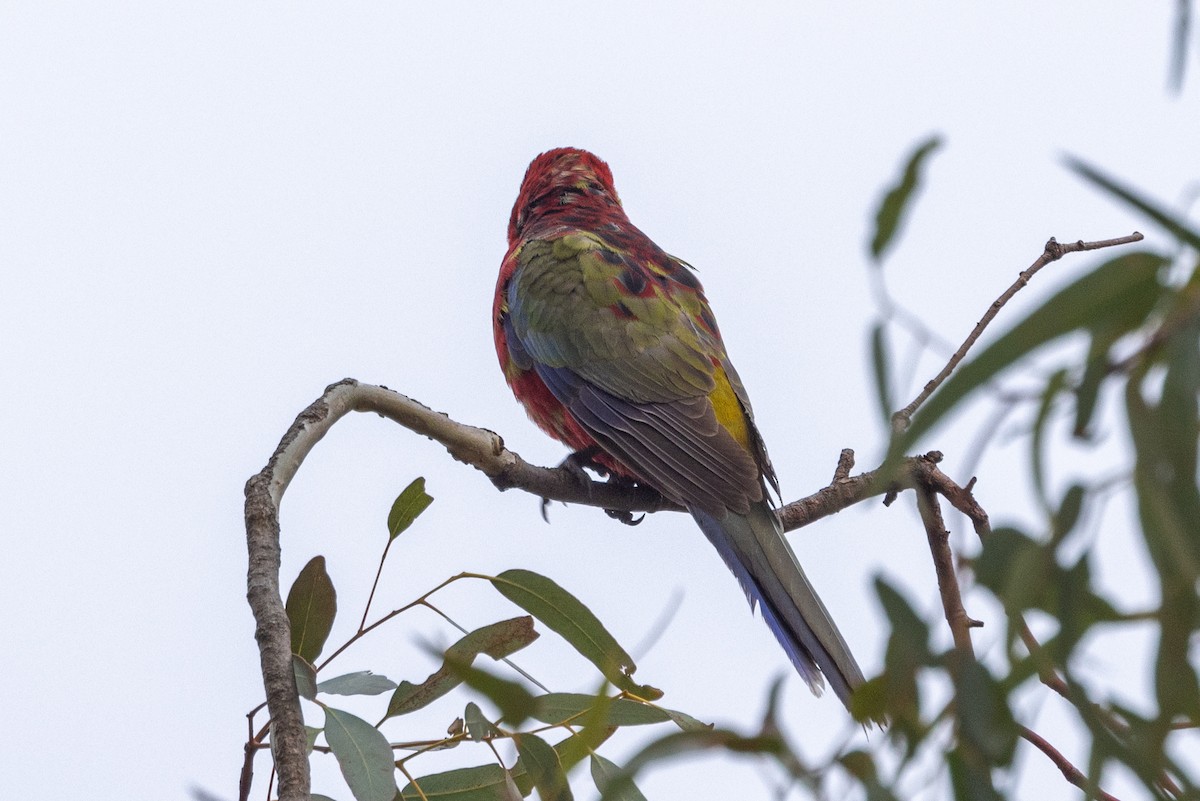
(1052, 252)
(1071, 773)
(943, 563)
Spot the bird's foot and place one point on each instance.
(620, 514)
(575, 465)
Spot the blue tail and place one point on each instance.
(753, 547)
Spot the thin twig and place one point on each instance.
(1071, 773)
(1053, 251)
(943, 562)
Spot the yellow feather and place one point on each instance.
(730, 413)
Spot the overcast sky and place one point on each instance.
(210, 211)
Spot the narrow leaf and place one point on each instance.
(566, 615)
(407, 506)
(311, 608)
(545, 771)
(363, 682)
(363, 754)
(1054, 386)
(558, 708)
(497, 640)
(478, 726)
(894, 206)
(985, 720)
(515, 702)
(687, 742)
(686, 722)
(881, 363)
(1170, 538)
(306, 677)
(482, 783)
(1174, 224)
(582, 744)
(1068, 513)
(604, 771)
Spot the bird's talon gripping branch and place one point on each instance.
(581, 460)
(574, 466)
(625, 517)
(618, 514)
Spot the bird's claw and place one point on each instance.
(625, 517)
(575, 465)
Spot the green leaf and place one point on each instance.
(515, 702)
(566, 615)
(311, 608)
(1095, 370)
(306, 677)
(1025, 574)
(1130, 197)
(482, 783)
(362, 682)
(894, 206)
(970, 779)
(1176, 688)
(985, 721)
(880, 362)
(685, 721)
(1165, 497)
(478, 726)
(558, 708)
(861, 765)
(1015, 568)
(1120, 292)
(909, 631)
(582, 744)
(896, 695)
(407, 506)
(497, 640)
(541, 764)
(311, 734)
(1068, 513)
(1054, 386)
(688, 742)
(604, 771)
(363, 754)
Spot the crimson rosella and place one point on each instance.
(612, 348)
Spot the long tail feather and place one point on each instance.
(753, 547)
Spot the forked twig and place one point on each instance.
(1053, 251)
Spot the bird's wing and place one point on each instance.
(629, 346)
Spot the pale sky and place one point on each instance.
(210, 211)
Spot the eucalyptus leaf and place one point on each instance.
(497, 640)
(482, 783)
(362, 682)
(306, 677)
(895, 203)
(566, 615)
(604, 771)
(311, 609)
(407, 507)
(363, 754)
(559, 708)
(543, 767)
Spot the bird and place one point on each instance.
(612, 348)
